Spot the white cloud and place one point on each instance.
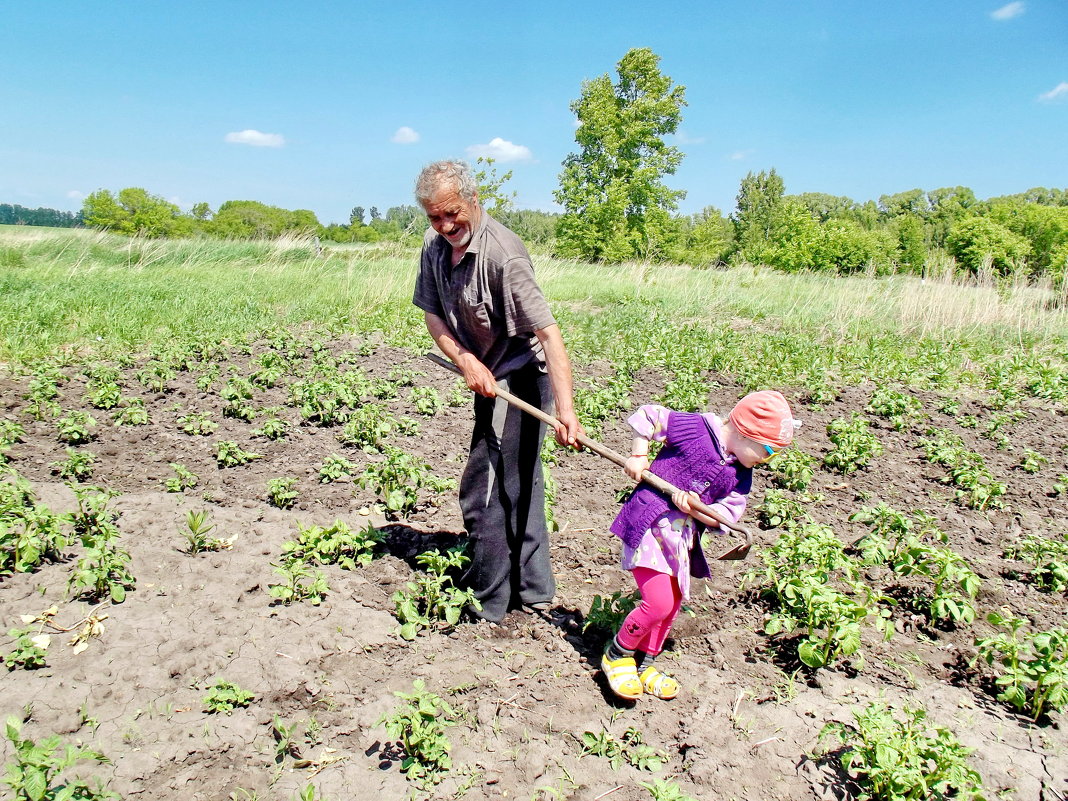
(405, 136)
(684, 138)
(255, 138)
(74, 194)
(501, 150)
(741, 155)
(1058, 92)
(1008, 11)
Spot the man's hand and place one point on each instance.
(568, 429)
(476, 375)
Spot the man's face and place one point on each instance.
(453, 216)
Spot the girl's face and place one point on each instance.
(747, 451)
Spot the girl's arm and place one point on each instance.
(732, 511)
(649, 423)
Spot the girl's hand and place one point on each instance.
(635, 466)
(682, 500)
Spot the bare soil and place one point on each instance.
(744, 727)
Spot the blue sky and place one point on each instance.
(330, 105)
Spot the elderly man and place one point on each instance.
(486, 313)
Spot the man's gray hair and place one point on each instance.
(453, 172)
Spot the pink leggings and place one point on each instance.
(646, 628)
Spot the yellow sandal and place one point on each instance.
(622, 675)
(659, 684)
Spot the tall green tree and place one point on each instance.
(135, 211)
(759, 216)
(491, 194)
(616, 205)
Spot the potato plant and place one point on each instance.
(229, 454)
(420, 724)
(854, 445)
(38, 770)
(225, 696)
(334, 545)
(182, 480)
(974, 484)
(29, 532)
(629, 749)
(131, 412)
(197, 424)
(893, 755)
(78, 466)
(792, 469)
(335, 467)
(281, 492)
(1048, 558)
(76, 428)
(398, 478)
(300, 582)
(895, 406)
(433, 601)
(1033, 675)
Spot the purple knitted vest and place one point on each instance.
(690, 460)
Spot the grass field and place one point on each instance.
(225, 469)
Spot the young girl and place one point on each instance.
(707, 459)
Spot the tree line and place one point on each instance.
(13, 214)
(616, 207)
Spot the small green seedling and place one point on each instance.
(225, 696)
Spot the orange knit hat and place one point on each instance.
(764, 417)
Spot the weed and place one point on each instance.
(197, 531)
(225, 696)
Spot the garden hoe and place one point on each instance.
(737, 552)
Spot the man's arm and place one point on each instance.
(476, 374)
(559, 366)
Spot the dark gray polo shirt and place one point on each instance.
(490, 300)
